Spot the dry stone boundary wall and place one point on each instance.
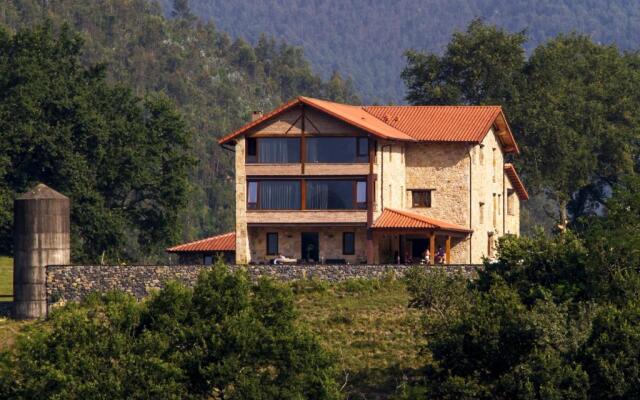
(74, 282)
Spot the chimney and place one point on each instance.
(256, 115)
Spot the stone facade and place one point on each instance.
(467, 182)
(289, 238)
(74, 282)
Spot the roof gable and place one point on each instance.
(408, 123)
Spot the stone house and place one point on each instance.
(318, 181)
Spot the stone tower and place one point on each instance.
(41, 238)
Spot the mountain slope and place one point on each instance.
(366, 39)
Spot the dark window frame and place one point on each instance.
(251, 205)
(252, 156)
(345, 251)
(356, 205)
(277, 244)
(424, 198)
(361, 155)
(256, 157)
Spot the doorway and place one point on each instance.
(419, 246)
(310, 247)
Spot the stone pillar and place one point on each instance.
(41, 237)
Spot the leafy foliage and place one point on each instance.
(573, 106)
(553, 318)
(121, 158)
(226, 338)
(214, 81)
(365, 39)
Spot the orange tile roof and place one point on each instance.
(397, 219)
(358, 116)
(439, 123)
(409, 123)
(518, 186)
(225, 242)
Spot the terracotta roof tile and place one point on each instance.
(397, 219)
(225, 242)
(358, 116)
(518, 186)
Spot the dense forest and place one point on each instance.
(365, 39)
(215, 81)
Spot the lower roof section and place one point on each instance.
(224, 242)
(400, 219)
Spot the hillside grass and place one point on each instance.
(365, 323)
(6, 277)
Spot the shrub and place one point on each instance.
(226, 338)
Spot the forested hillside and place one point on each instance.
(365, 39)
(215, 81)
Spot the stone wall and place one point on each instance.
(73, 282)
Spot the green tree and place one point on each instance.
(225, 339)
(482, 65)
(573, 105)
(498, 347)
(123, 160)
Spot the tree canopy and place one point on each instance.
(226, 338)
(214, 81)
(574, 106)
(554, 317)
(122, 159)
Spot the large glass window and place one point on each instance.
(279, 195)
(273, 150)
(330, 194)
(337, 150)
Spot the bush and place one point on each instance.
(226, 338)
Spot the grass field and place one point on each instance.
(365, 323)
(369, 327)
(6, 277)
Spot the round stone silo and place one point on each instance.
(41, 238)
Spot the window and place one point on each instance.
(499, 204)
(494, 164)
(252, 150)
(330, 195)
(208, 260)
(348, 243)
(337, 149)
(363, 149)
(481, 154)
(272, 243)
(495, 207)
(511, 202)
(481, 212)
(273, 195)
(252, 195)
(420, 198)
(361, 195)
(276, 150)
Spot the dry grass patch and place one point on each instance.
(368, 326)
